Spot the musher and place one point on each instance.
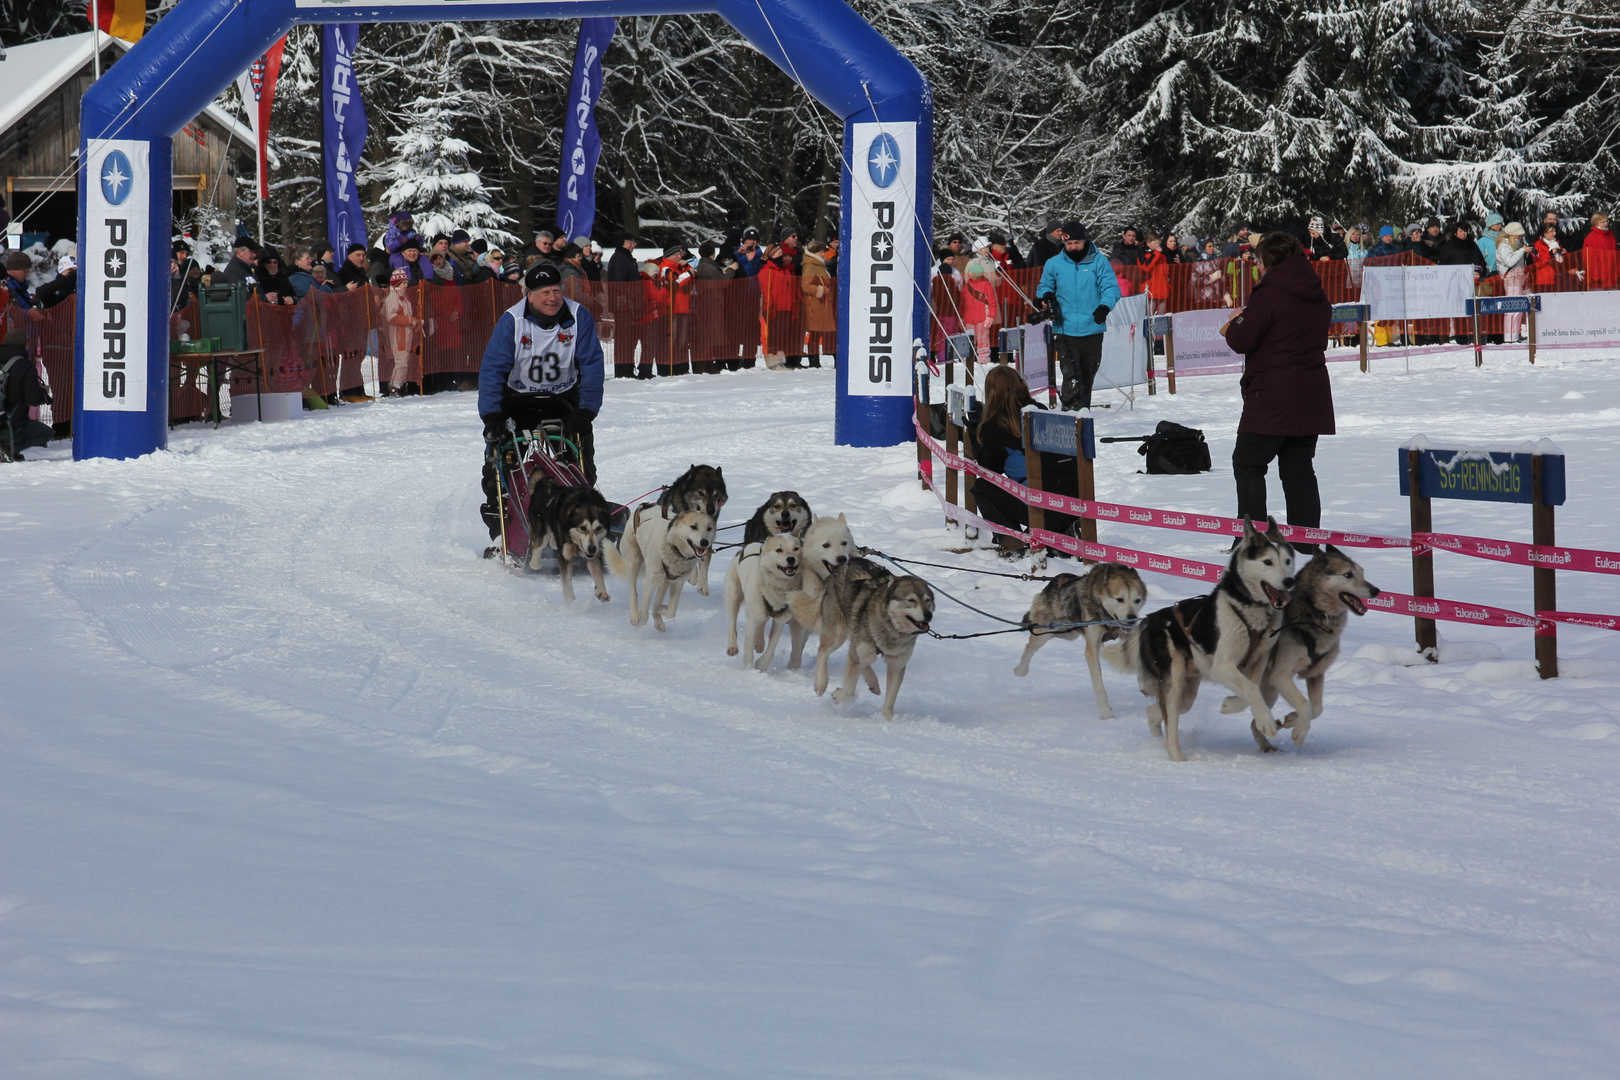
(543, 362)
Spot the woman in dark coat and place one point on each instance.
(1287, 397)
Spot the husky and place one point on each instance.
(824, 616)
(1107, 591)
(701, 488)
(783, 512)
(827, 545)
(764, 576)
(570, 521)
(879, 614)
(1226, 635)
(1327, 591)
(670, 548)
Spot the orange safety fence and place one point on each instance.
(318, 345)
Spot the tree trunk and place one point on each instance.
(829, 190)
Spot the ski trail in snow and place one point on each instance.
(333, 796)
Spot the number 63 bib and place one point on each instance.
(543, 360)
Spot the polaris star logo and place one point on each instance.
(883, 160)
(116, 178)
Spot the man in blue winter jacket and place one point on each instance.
(1080, 283)
(543, 362)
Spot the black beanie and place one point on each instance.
(541, 275)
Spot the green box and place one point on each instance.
(222, 313)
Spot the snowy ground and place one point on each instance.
(293, 785)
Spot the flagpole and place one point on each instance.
(95, 28)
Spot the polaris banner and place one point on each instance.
(113, 275)
(882, 258)
(343, 135)
(582, 142)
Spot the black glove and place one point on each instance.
(1100, 316)
(586, 415)
(494, 428)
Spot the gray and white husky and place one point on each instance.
(878, 613)
(762, 578)
(1327, 591)
(701, 488)
(1226, 635)
(1108, 591)
(670, 548)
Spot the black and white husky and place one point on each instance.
(783, 512)
(1227, 636)
(570, 521)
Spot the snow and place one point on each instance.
(295, 785)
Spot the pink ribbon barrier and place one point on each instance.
(1560, 558)
(1213, 524)
(1510, 551)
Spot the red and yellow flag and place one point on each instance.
(121, 18)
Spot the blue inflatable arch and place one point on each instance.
(120, 406)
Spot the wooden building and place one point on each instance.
(39, 138)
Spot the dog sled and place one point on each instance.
(548, 449)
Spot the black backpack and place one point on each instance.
(1172, 450)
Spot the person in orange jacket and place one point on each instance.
(675, 280)
(779, 301)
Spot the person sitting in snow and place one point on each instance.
(543, 362)
(20, 391)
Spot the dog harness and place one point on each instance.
(543, 360)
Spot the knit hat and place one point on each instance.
(1492, 218)
(541, 275)
(66, 263)
(787, 231)
(398, 277)
(352, 248)
(1073, 230)
(750, 233)
(411, 244)
(1416, 226)
(1316, 223)
(1051, 227)
(1434, 223)
(18, 260)
(1386, 231)
(677, 248)
(400, 215)
(1514, 229)
(980, 243)
(1362, 226)
(460, 236)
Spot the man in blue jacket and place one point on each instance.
(1080, 283)
(543, 362)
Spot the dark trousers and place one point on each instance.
(1078, 359)
(24, 433)
(1250, 457)
(529, 413)
(998, 506)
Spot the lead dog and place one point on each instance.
(1226, 635)
(1328, 590)
(670, 549)
(701, 488)
(764, 576)
(1108, 591)
(783, 512)
(570, 521)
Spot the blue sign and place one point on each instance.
(1159, 326)
(1483, 476)
(1054, 433)
(1351, 312)
(343, 137)
(883, 160)
(582, 141)
(117, 178)
(1503, 305)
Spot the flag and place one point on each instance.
(258, 88)
(343, 135)
(121, 18)
(582, 142)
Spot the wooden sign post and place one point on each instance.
(1358, 314)
(1050, 439)
(1487, 476)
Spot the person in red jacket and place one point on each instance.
(676, 278)
(1549, 258)
(1602, 267)
(1287, 397)
(779, 301)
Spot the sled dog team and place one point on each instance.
(1263, 626)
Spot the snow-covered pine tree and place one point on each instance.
(429, 170)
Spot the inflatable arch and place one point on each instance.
(120, 406)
